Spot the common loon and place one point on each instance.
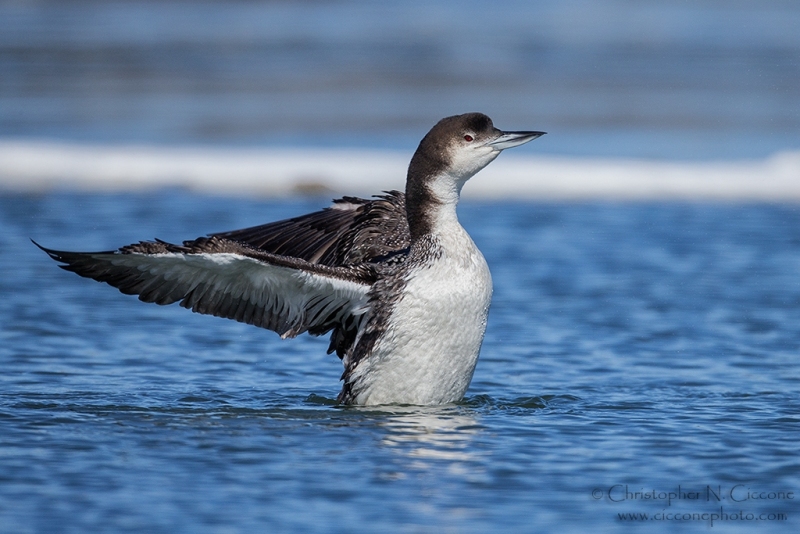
(397, 281)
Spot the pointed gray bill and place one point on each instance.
(512, 139)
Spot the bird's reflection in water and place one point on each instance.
(425, 436)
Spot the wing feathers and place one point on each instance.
(287, 295)
(353, 231)
(309, 273)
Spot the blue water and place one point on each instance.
(653, 345)
(652, 78)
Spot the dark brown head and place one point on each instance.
(450, 154)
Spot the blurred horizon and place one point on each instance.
(665, 79)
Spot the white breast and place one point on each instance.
(429, 352)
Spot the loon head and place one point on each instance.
(451, 153)
(462, 145)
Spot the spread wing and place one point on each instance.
(350, 232)
(224, 278)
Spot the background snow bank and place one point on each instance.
(37, 166)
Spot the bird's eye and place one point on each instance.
(468, 138)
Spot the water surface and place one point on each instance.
(651, 78)
(638, 345)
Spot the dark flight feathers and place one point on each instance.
(310, 273)
(352, 231)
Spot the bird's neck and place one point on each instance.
(431, 197)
